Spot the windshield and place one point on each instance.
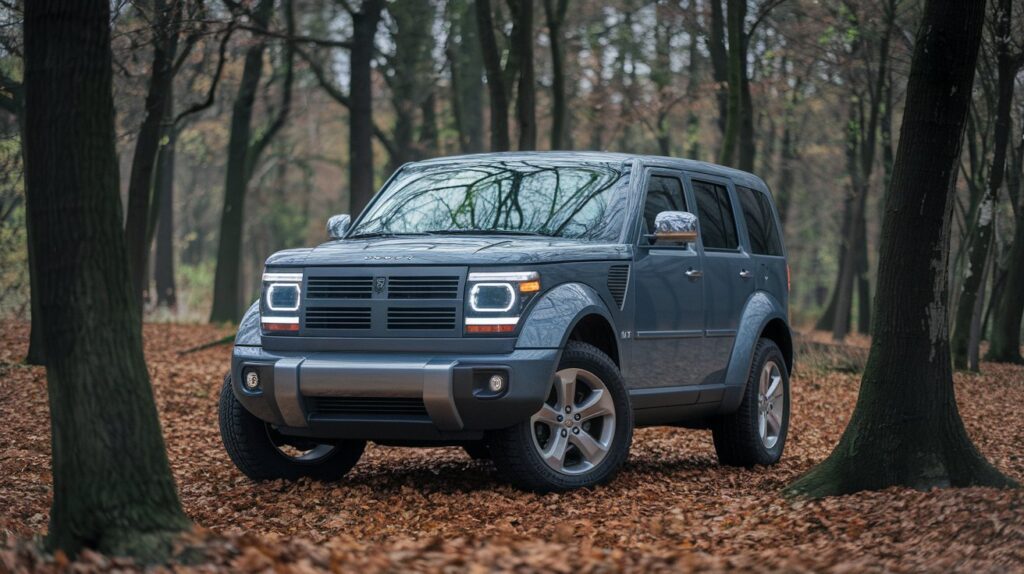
(575, 200)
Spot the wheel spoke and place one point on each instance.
(566, 388)
(598, 404)
(554, 454)
(774, 387)
(590, 448)
(548, 415)
(776, 403)
(774, 423)
(762, 425)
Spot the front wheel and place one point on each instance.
(262, 453)
(756, 432)
(581, 435)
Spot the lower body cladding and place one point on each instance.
(391, 396)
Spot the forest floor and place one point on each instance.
(672, 508)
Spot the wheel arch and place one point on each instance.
(763, 316)
(571, 311)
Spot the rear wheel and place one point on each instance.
(756, 432)
(262, 453)
(581, 434)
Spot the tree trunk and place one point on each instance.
(735, 17)
(36, 347)
(719, 64)
(360, 134)
(972, 285)
(166, 290)
(555, 11)
(1004, 343)
(112, 485)
(495, 76)
(467, 79)
(167, 15)
(229, 247)
(522, 46)
(747, 146)
(906, 429)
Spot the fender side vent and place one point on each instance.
(618, 280)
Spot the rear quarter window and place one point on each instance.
(757, 213)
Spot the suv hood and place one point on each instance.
(448, 250)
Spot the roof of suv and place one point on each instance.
(736, 175)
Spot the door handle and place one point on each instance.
(694, 273)
(746, 274)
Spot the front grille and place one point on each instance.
(427, 287)
(421, 318)
(618, 279)
(339, 288)
(338, 318)
(366, 406)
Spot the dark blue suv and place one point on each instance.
(531, 307)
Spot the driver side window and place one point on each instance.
(664, 193)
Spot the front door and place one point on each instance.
(669, 295)
(728, 272)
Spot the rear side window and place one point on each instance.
(714, 210)
(757, 212)
(664, 193)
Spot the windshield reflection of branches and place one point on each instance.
(584, 201)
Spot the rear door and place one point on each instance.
(669, 295)
(728, 270)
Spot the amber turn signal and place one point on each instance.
(281, 326)
(490, 328)
(529, 286)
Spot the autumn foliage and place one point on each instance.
(673, 507)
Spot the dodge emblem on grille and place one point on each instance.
(378, 284)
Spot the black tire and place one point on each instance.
(737, 436)
(517, 458)
(248, 441)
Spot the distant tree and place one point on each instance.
(906, 429)
(497, 76)
(112, 485)
(467, 69)
(555, 11)
(410, 75)
(244, 149)
(1008, 63)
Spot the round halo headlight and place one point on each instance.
(283, 297)
(492, 297)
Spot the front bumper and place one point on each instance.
(391, 396)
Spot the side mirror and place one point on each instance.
(337, 225)
(679, 226)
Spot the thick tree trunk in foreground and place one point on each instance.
(973, 284)
(112, 485)
(360, 135)
(906, 429)
(140, 182)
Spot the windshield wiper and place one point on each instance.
(379, 234)
(485, 232)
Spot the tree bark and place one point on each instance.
(495, 77)
(166, 290)
(243, 152)
(467, 79)
(735, 16)
(1004, 344)
(522, 47)
(906, 429)
(360, 135)
(140, 182)
(973, 283)
(555, 11)
(719, 64)
(112, 485)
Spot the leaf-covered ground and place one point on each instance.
(672, 507)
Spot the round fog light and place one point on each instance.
(496, 384)
(252, 381)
